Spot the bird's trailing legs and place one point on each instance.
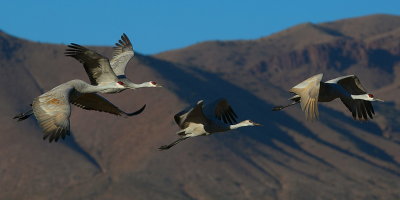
(23, 116)
(276, 108)
(165, 147)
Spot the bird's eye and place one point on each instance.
(371, 96)
(153, 82)
(121, 83)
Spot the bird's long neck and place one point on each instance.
(84, 87)
(140, 85)
(361, 96)
(238, 125)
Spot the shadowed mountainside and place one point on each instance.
(111, 157)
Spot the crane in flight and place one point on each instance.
(217, 116)
(100, 70)
(53, 108)
(347, 88)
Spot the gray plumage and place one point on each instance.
(123, 53)
(217, 116)
(100, 70)
(52, 109)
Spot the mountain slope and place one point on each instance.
(288, 158)
(302, 51)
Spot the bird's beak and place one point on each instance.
(257, 124)
(379, 100)
(158, 85)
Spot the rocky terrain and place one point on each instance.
(289, 158)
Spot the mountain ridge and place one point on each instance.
(287, 158)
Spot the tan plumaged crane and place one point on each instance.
(52, 109)
(347, 88)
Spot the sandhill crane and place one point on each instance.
(217, 116)
(347, 88)
(52, 109)
(100, 70)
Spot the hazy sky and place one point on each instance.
(156, 26)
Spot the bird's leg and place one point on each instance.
(276, 108)
(165, 147)
(23, 116)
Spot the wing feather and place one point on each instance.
(231, 117)
(194, 114)
(363, 110)
(221, 110)
(360, 109)
(96, 66)
(123, 53)
(52, 111)
(92, 101)
(370, 108)
(350, 83)
(308, 91)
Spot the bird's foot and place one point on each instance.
(22, 116)
(276, 108)
(164, 147)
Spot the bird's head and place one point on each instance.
(153, 84)
(250, 123)
(366, 97)
(121, 84)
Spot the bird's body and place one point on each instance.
(347, 88)
(102, 71)
(201, 119)
(53, 108)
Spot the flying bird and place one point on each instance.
(347, 88)
(52, 109)
(100, 70)
(218, 116)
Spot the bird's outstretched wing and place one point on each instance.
(180, 116)
(360, 109)
(350, 83)
(194, 114)
(123, 52)
(96, 66)
(92, 101)
(52, 111)
(222, 111)
(308, 91)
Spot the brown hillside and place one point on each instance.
(288, 158)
